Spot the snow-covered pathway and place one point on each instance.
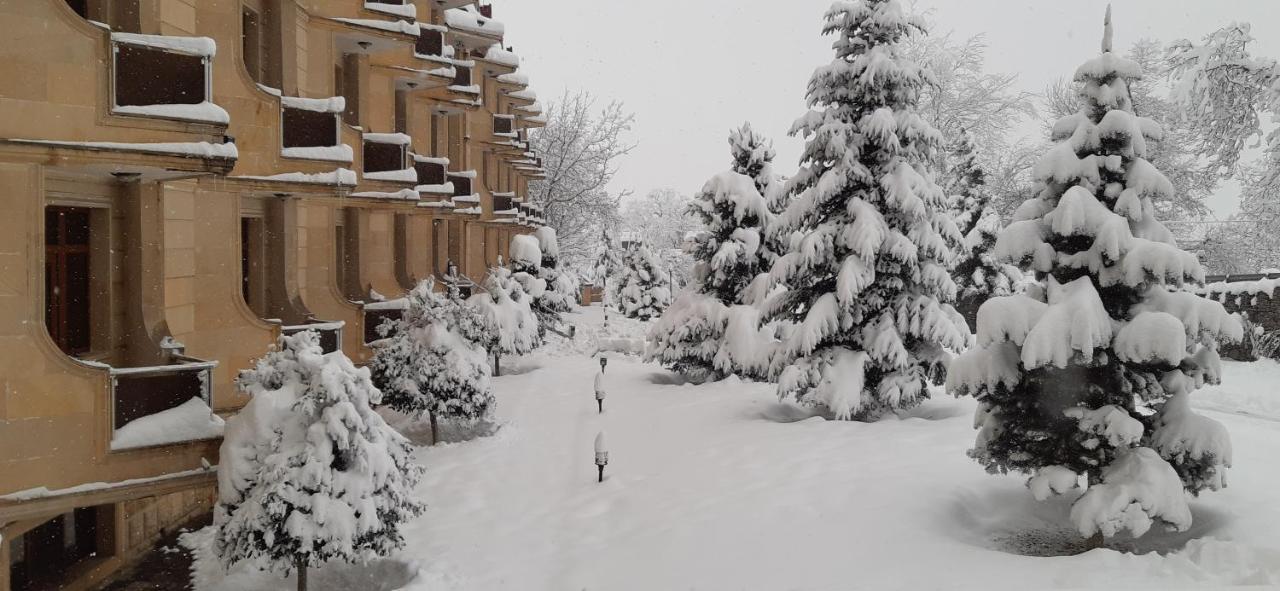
(721, 487)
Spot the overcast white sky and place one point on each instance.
(692, 69)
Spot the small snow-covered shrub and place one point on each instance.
(507, 309)
(309, 472)
(430, 361)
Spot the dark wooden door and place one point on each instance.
(67, 278)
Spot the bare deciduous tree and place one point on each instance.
(580, 149)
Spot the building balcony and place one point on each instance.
(164, 77)
(385, 158)
(378, 313)
(330, 333)
(311, 129)
(473, 27)
(164, 404)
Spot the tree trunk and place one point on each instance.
(435, 429)
(1096, 541)
(497, 360)
(302, 574)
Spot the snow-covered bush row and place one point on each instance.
(1088, 375)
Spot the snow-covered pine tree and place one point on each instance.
(608, 265)
(1090, 373)
(429, 364)
(978, 275)
(644, 287)
(965, 180)
(869, 283)
(728, 254)
(309, 472)
(753, 157)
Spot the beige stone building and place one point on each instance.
(183, 181)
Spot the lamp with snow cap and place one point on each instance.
(600, 388)
(602, 455)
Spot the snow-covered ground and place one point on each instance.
(720, 486)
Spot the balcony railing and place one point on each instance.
(330, 333)
(305, 128)
(138, 392)
(461, 184)
(377, 313)
(430, 173)
(461, 76)
(430, 42)
(502, 124)
(380, 157)
(168, 77)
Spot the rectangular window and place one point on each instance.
(340, 257)
(252, 265)
(347, 82)
(251, 42)
(402, 111)
(67, 314)
(440, 245)
(455, 243)
(44, 557)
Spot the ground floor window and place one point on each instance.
(44, 557)
(67, 278)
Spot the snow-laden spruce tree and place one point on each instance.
(869, 283)
(608, 265)
(728, 254)
(1089, 374)
(309, 472)
(431, 363)
(978, 275)
(753, 157)
(644, 286)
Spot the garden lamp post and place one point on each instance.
(602, 455)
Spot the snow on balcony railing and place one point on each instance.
(473, 22)
(191, 149)
(401, 195)
(499, 55)
(343, 177)
(171, 401)
(330, 333)
(517, 78)
(164, 77)
(398, 26)
(393, 7)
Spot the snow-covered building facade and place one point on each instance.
(184, 181)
